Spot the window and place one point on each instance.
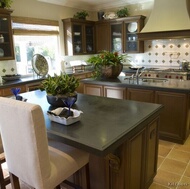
(35, 36)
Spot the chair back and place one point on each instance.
(24, 137)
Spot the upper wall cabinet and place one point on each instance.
(79, 36)
(103, 36)
(121, 33)
(6, 36)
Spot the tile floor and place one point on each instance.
(173, 167)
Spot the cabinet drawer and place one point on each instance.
(96, 90)
(7, 91)
(1, 92)
(115, 92)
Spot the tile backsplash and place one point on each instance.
(8, 67)
(163, 53)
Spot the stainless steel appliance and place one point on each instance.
(166, 73)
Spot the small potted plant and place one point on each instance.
(81, 15)
(59, 88)
(107, 64)
(6, 3)
(122, 12)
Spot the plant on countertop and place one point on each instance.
(107, 61)
(59, 88)
(81, 15)
(122, 12)
(6, 3)
(60, 84)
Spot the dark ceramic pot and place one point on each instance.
(111, 71)
(58, 101)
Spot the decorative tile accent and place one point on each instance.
(163, 53)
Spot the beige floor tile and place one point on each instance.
(184, 183)
(166, 179)
(173, 166)
(163, 151)
(160, 160)
(185, 147)
(157, 186)
(166, 144)
(187, 171)
(179, 155)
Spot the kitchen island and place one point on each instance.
(120, 135)
(172, 93)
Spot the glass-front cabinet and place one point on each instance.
(79, 36)
(124, 38)
(117, 37)
(6, 38)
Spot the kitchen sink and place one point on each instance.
(154, 80)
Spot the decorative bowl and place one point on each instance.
(54, 116)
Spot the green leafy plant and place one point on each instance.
(62, 84)
(122, 12)
(6, 3)
(106, 58)
(81, 15)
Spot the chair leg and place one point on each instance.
(2, 183)
(14, 181)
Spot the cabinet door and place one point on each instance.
(131, 42)
(135, 158)
(102, 36)
(173, 118)
(79, 36)
(96, 90)
(140, 95)
(6, 40)
(117, 37)
(152, 152)
(115, 92)
(78, 43)
(89, 39)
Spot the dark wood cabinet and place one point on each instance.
(120, 35)
(79, 36)
(141, 95)
(174, 121)
(6, 36)
(151, 152)
(102, 36)
(7, 91)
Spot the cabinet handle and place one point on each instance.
(152, 133)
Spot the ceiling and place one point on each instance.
(94, 5)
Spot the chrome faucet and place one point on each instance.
(137, 74)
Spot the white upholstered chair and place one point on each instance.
(26, 148)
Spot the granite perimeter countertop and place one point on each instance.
(32, 79)
(123, 81)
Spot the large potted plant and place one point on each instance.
(107, 64)
(81, 15)
(6, 3)
(59, 88)
(122, 12)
